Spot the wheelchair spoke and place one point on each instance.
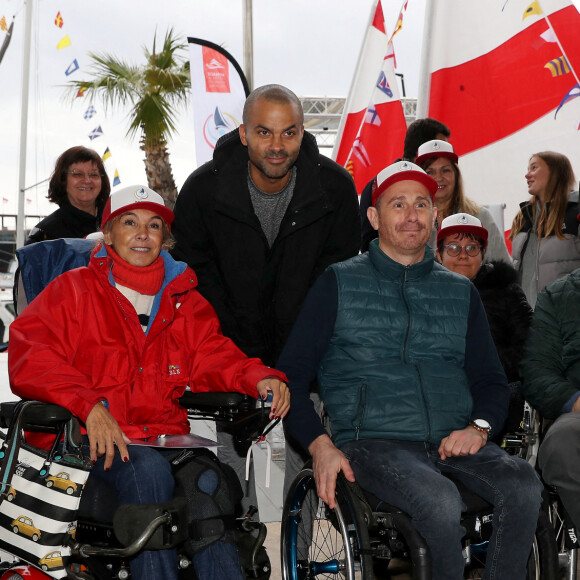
(314, 540)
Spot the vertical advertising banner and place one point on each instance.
(219, 90)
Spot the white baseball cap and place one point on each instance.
(436, 148)
(401, 171)
(462, 223)
(136, 197)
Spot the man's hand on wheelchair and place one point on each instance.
(327, 462)
(280, 396)
(104, 433)
(466, 441)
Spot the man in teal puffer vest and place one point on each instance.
(412, 384)
(550, 369)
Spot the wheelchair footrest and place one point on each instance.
(131, 519)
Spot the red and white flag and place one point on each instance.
(372, 129)
(219, 90)
(502, 76)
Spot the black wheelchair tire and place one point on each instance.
(339, 542)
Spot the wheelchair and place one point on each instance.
(364, 538)
(106, 535)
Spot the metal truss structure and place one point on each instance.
(322, 117)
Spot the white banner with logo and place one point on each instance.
(219, 90)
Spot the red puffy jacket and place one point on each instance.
(80, 341)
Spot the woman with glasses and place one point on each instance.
(461, 246)
(80, 187)
(438, 159)
(545, 232)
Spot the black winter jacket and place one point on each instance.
(257, 291)
(508, 313)
(66, 222)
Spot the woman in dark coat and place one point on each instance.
(461, 244)
(80, 187)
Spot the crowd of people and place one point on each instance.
(403, 313)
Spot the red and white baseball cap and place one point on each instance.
(401, 171)
(136, 197)
(462, 223)
(436, 148)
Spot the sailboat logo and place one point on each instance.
(218, 124)
(214, 64)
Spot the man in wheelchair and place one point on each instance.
(117, 343)
(551, 371)
(412, 385)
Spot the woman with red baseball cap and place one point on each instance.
(439, 160)
(117, 343)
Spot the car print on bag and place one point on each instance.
(11, 494)
(24, 526)
(50, 561)
(61, 481)
(72, 530)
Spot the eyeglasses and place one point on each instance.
(82, 175)
(455, 250)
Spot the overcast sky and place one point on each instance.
(311, 46)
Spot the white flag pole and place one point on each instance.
(354, 85)
(425, 73)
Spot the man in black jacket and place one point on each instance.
(262, 220)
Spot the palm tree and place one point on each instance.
(154, 91)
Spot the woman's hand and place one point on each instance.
(104, 432)
(280, 396)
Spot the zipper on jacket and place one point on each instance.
(423, 398)
(403, 292)
(360, 413)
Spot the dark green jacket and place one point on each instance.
(550, 367)
(394, 367)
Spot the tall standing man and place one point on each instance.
(261, 221)
(412, 385)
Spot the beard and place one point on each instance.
(275, 171)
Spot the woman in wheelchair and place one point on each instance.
(117, 343)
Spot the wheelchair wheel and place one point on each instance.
(317, 542)
(543, 561)
(566, 539)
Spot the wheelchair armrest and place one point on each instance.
(39, 417)
(217, 405)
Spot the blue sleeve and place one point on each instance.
(303, 353)
(567, 408)
(483, 368)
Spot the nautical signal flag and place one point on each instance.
(95, 133)
(64, 42)
(106, 154)
(72, 67)
(90, 113)
(116, 179)
(372, 129)
(571, 94)
(533, 8)
(3, 25)
(58, 20)
(558, 66)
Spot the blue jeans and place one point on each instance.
(408, 474)
(147, 478)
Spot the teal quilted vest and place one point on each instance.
(394, 366)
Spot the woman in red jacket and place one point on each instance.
(118, 342)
